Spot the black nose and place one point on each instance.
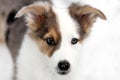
(63, 67)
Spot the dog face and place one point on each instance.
(59, 33)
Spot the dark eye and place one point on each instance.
(50, 41)
(74, 40)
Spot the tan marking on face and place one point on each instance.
(50, 32)
(85, 16)
(54, 33)
(41, 22)
(2, 29)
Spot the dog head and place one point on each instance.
(59, 32)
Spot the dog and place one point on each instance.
(6, 62)
(52, 45)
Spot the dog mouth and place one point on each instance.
(62, 72)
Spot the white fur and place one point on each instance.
(99, 57)
(6, 63)
(68, 29)
(32, 64)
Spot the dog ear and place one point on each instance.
(35, 14)
(86, 16)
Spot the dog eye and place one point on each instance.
(50, 41)
(74, 40)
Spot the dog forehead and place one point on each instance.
(67, 25)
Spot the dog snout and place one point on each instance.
(63, 67)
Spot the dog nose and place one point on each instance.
(63, 67)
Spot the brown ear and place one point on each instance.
(86, 16)
(35, 14)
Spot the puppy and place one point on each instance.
(52, 45)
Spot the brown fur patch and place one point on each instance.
(85, 16)
(49, 29)
(2, 28)
(42, 24)
(35, 14)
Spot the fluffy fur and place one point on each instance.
(99, 59)
(36, 59)
(32, 63)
